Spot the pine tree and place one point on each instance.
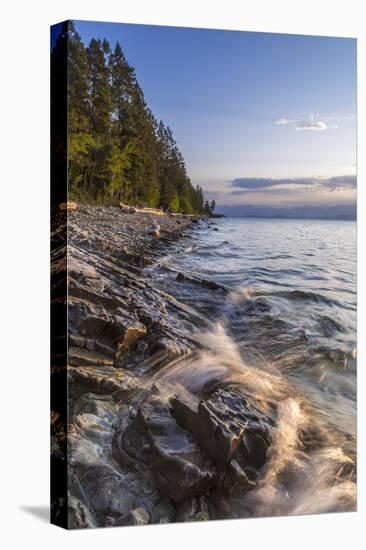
(125, 143)
(79, 137)
(100, 173)
(116, 149)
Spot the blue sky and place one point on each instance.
(260, 118)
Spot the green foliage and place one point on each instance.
(116, 149)
(174, 204)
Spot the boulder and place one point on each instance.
(178, 467)
(226, 425)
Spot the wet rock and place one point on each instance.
(83, 357)
(79, 515)
(163, 512)
(107, 491)
(193, 510)
(181, 277)
(101, 380)
(236, 478)
(138, 516)
(113, 310)
(111, 333)
(76, 340)
(227, 424)
(188, 510)
(178, 467)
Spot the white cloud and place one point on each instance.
(284, 121)
(314, 125)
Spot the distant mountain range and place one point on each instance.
(324, 212)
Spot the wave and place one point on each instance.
(301, 474)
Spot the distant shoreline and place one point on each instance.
(339, 219)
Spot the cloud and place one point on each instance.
(284, 121)
(313, 123)
(246, 185)
(268, 183)
(317, 125)
(341, 182)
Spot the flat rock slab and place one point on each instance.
(101, 379)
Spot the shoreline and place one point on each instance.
(166, 422)
(142, 448)
(121, 330)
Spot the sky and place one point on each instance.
(261, 119)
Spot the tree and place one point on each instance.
(212, 205)
(80, 139)
(117, 151)
(100, 118)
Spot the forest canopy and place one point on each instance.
(117, 150)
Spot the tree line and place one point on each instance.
(117, 150)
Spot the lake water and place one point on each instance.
(286, 327)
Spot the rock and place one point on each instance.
(76, 340)
(154, 229)
(139, 453)
(226, 424)
(112, 333)
(82, 357)
(100, 405)
(131, 336)
(188, 510)
(107, 491)
(203, 513)
(178, 467)
(163, 512)
(79, 516)
(193, 510)
(102, 379)
(236, 478)
(181, 277)
(140, 516)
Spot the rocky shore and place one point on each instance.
(144, 448)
